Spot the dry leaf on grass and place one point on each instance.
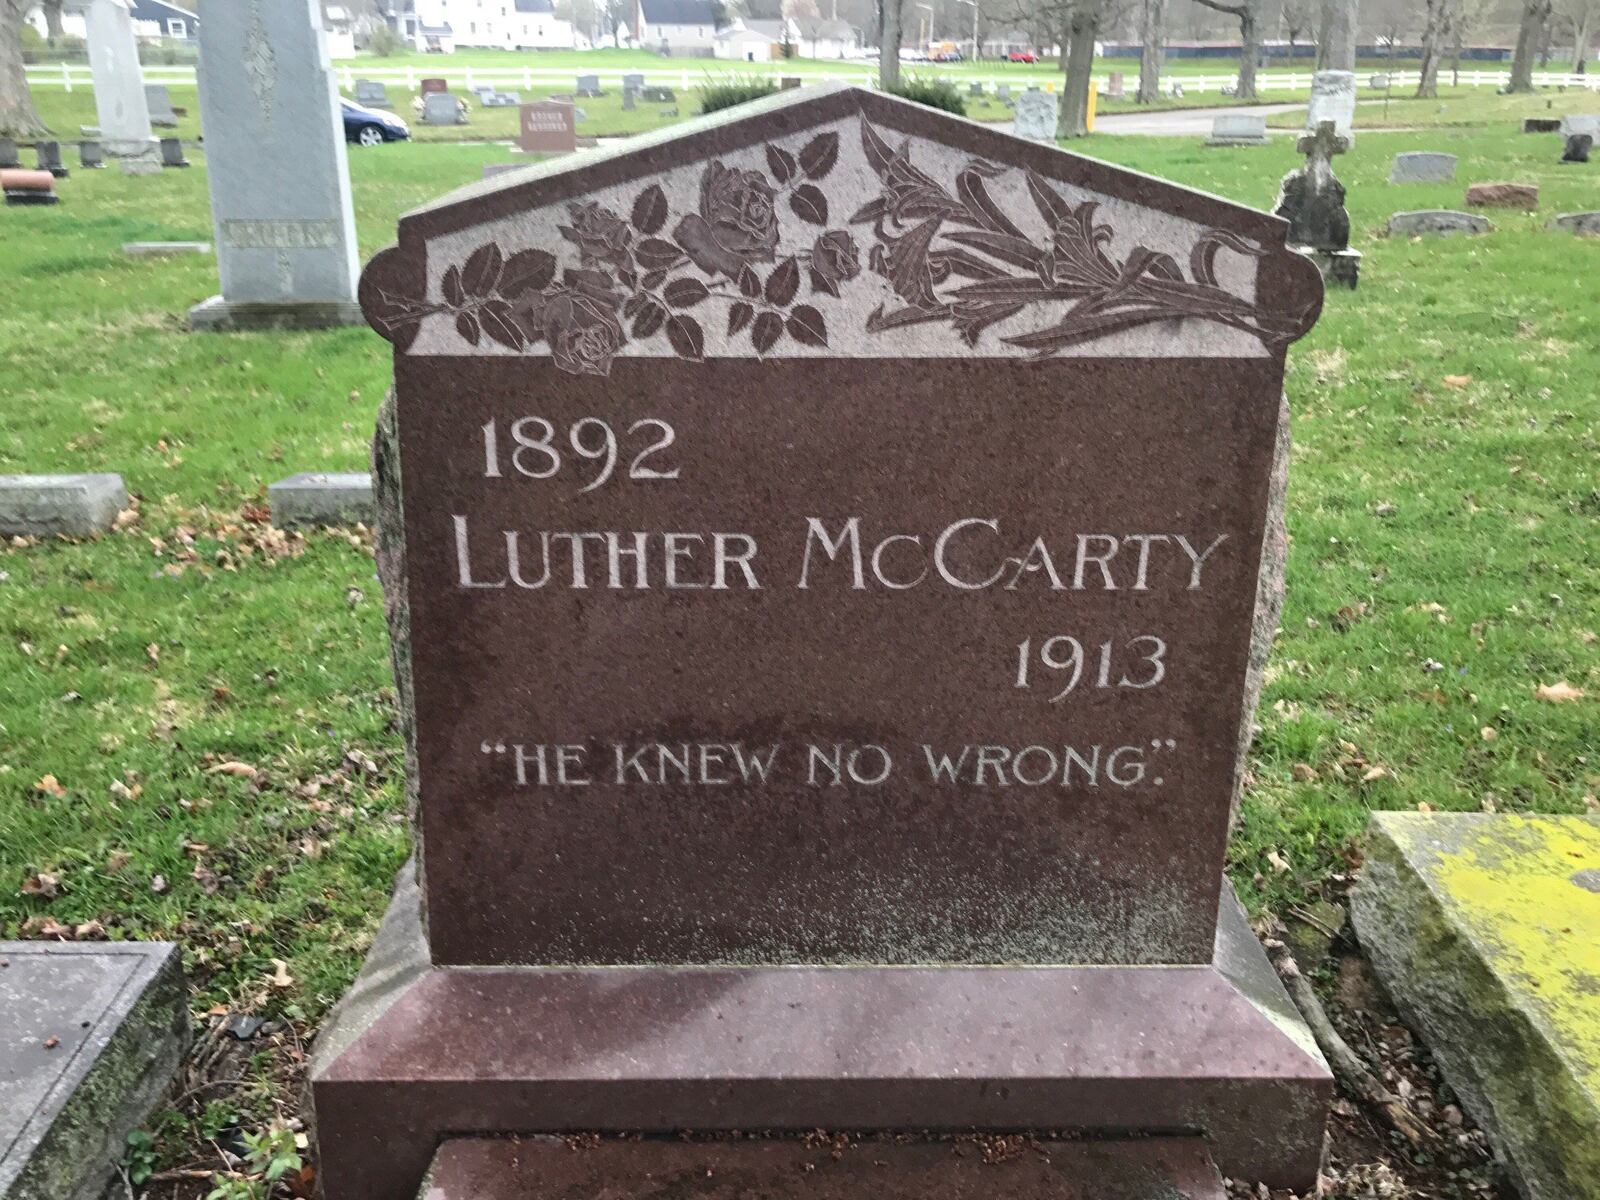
(50, 786)
(1559, 692)
(241, 769)
(44, 885)
(1457, 381)
(280, 974)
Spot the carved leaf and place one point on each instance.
(650, 210)
(821, 283)
(781, 163)
(632, 305)
(686, 336)
(1051, 207)
(870, 211)
(500, 324)
(766, 331)
(653, 280)
(685, 292)
(739, 315)
(652, 316)
(806, 326)
(467, 327)
(527, 270)
(783, 283)
(749, 282)
(1203, 258)
(450, 285)
(876, 149)
(819, 155)
(657, 254)
(482, 271)
(809, 204)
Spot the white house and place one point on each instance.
(675, 26)
(828, 39)
(153, 20)
(744, 45)
(442, 25)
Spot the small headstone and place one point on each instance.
(1115, 87)
(668, 112)
(49, 156)
(160, 106)
(164, 249)
(441, 108)
(28, 187)
(629, 98)
(91, 154)
(633, 80)
(372, 93)
(548, 127)
(1580, 123)
(1002, 92)
(91, 1037)
(122, 111)
(1238, 129)
(72, 505)
(656, 94)
(1378, 83)
(790, 82)
(433, 84)
(1540, 124)
(172, 153)
(320, 498)
(131, 165)
(588, 87)
(1037, 116)
(1503, 195)
(8, 153)
(1439, 222)
(1333, 98)
(1577, 148)
(975, 89)
(1578, 222)
(1423, 166)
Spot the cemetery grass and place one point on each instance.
(198, 737)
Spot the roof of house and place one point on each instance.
(839, 30)
(776, 30)
(158, 10)
(741, 33)
(543, 8)
(678, 12)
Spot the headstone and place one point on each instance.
(1333, 98)
(692, 401)
(275, 159)
(1311, 199)
(1114, 86)
(70, 505)
(975, 89)
(1423, 166)
(1580, 123)
(119, 96)
(548, 127)
(91, 154)
(1579, 222)
(320, 498)
(1238, 129)
(1003, 92)
(28, 187)
(164, 249)
(1037, 114)
(372, 93)
(8, 153)
(1503, 195)
(441, 108)
(141, 166)
(49, 158)
(92, 1036)
(1577, 148)
(432, 84)
(629, 99)
(790, 82)
(656, 94)
(1540, 124)
(1485, 930)
(172, 153)
(1436, 222)
(588, 87)
(1378, 83)
(633, 80)
(160, 106)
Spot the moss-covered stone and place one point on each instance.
(1486, 930)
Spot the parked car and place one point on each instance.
(371, 126)
(1022, 56)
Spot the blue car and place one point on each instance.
(371, 126)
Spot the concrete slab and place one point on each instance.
(164, 249)
(887, 1168)
(91, 1038)
(46, 505)
(319, 498)
(1486, 931)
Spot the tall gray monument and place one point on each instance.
(119, 98)
(1333, 87)
(280, 186)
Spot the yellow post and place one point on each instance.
(1088, 110)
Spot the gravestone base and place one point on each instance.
(321, 498)
(65, 505)
(93, 1034)
(135, 150)
(416, 1052)
(825, 1168)
(224, 316)
(1341, 268)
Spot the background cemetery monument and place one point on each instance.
(275, 158)
(119, 95)
(1333, 87)
(735, 716)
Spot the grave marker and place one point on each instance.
(1422, 166)
(372, 93)
(547, 127)
(172, 153)
(275, 157)
(159, 103)
(119, 94)
(1311, 199)
(1503, 195)
(91, 154)
(1436, 221)
(48, 156)
(441, 108)
(8, 153)
(434, 84)
(1333, 98)
(1238, 129)
(1037, 114)
(588, 87)
(1577, 148)
(72, 505)
(1579, 222)
(707, 479)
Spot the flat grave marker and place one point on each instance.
(1238, 129)
(1422, 166)
(46, 505)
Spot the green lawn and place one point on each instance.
(197, 728)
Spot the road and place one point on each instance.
(1182, 122)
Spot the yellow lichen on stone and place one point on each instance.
(1527, 891)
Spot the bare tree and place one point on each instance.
(1152, 49)
(1535, 13)
(1248, 14)
(889, 42)
(1297, 18)
(1435, 28)
(18, 117)
(1582, 16)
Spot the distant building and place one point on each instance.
(744, 45)
(153, 20)
(676, 26)
(439, 26)
(830, 39)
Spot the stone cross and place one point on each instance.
(1320, 145)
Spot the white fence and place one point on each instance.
(71, 75)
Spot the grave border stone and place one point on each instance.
(74, 505)
(1238, 129)
(1436, 222)
(1423, 166)
(321, 498)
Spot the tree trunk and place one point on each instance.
(1336, 41)
(1249, 51)
(1072, 118)
(1534, 15)
(52, 21)
(1428, 82)
(888, 43)
(1153, 49)
(18, 117)
(1580, 42)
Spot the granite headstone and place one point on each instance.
(159, 102)
(372, 93)
(1036, 116)
(1422, 166)
(1333, 98)
(1578, 222)
(1238, 129)
(588, 87)
(441, 108)
(1577, 148)
(874, 639)
(119, 96)
(433, 84)
(547, 127)
(1439, 222)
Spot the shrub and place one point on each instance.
(384, 41)
(736, 89)
(935, 93)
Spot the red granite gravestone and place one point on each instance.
(548, 127)
(822, 550)
(434, 84)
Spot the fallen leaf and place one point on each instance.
(43, 885)
(46, 927)
(1560, 692)
(241, 769)
(158, 884)
(50, 786)
(1424, 807)
(1280, 864)
(122, 791)
(1592, 803)
(1488, 733)
(1374, 772)
(1303, 772)
(1457, 381)
(51, 1042)
(89, 931)
(153, 652)
(280, 974)
(116, 860)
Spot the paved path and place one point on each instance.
(1183, 122)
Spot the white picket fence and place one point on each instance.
(71, 75)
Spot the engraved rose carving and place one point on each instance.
(601, 235)
(833, 261)
(737, 223)
(578, 318)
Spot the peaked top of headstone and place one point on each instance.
(834, 221)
